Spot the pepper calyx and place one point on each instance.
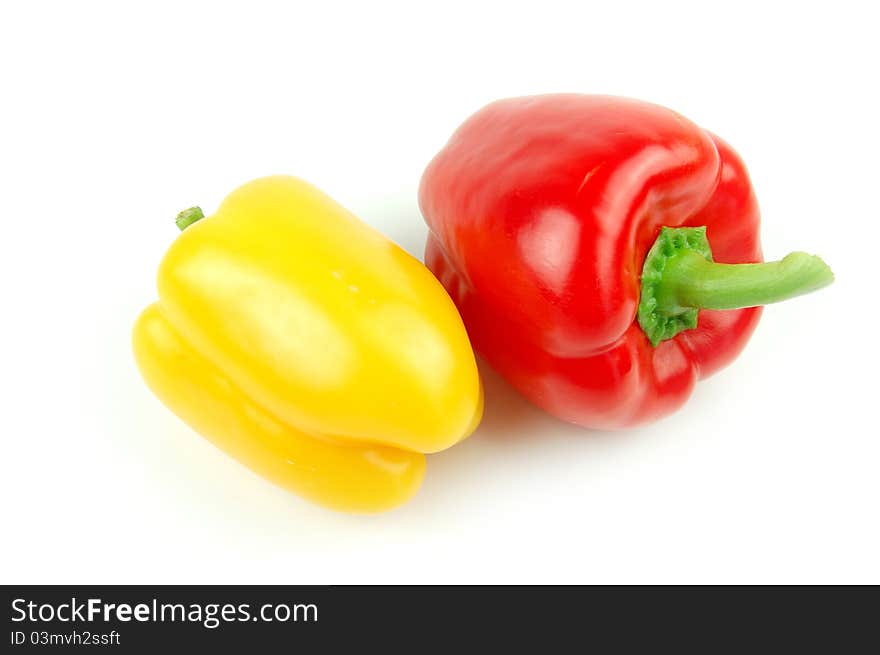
(657, 321)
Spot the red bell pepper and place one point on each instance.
(582, 239)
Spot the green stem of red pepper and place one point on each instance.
(692, 281)
(679, 278)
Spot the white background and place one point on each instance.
(113, 118)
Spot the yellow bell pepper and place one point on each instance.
(309, 347)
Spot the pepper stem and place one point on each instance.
(679, 278)
(189, 216)
(690, 280)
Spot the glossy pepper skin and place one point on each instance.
(309, 347)
(542, 211)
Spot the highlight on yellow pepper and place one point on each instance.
(309, 347)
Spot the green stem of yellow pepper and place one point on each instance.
(189, 216)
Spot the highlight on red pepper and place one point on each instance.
(604, 252)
